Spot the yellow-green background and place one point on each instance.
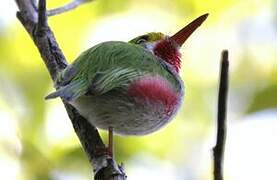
(37, 141)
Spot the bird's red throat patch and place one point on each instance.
(169, 51)
(154, 90)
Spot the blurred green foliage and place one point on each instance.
(265, 99)
(24, 81)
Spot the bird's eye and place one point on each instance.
(140, 41)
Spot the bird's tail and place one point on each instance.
(70, 91)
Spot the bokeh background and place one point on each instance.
(37, 141)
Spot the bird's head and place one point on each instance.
(167, 47)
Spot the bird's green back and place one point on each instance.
(110, 65)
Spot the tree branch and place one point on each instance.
(72, 5)
(218, 150)
(35, 23)
(27, 7)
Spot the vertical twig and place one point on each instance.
(218, 150)
(42, 17)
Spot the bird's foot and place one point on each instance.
(110, 144)
(100, 151)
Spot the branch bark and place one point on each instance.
(34, 20)
(218, 150)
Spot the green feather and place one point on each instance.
(107, 66)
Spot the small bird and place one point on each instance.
(130, 88)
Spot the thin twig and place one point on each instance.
(72, 5)
(42, 17)
(218, 150)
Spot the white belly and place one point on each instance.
(124, 114)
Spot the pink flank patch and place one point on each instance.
(156, 90)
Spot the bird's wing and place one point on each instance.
(69, 83)
(113, 78)
(102, 68)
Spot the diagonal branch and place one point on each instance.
(35, 23)
(72, 5)
(218, 150)
(27, 7)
